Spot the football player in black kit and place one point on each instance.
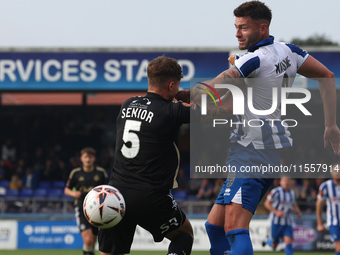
(83, 179)
(147, 162)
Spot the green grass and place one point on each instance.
(78, 252)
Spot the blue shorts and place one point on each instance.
(334, 232)
(279, 231)
(252, 187)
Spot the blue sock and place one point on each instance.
(239, 241)
(218, 242)
(289, 249)
(269, 242)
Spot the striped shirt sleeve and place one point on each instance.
(323, 191)
(248, 64)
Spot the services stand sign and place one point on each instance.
(112, 71)
(97, 71)
(49, 235)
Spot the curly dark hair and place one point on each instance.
(161, 69)
(255, 10)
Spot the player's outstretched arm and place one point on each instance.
(313, 69)
(229, 76)
(319, 205)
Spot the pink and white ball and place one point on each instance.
(104, 206)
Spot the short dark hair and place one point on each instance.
(255, 10)
(89, 151)
(161, 69)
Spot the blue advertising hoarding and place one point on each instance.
(49, 235)
(114, 71)
(332, 61)
(97, 71)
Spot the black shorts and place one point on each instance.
(82, 222)
(155, 211)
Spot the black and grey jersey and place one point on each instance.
(146, 154)
(85, 181)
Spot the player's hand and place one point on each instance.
(299, 213)
(183, 95)
(280, 214)
(77, 194)
(320, 227)
(231, 59)
(332, 136)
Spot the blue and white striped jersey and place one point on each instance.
(282, 200)
(331, 193)
(265, 66)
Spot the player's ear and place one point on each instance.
(171, 85)
(264, 28)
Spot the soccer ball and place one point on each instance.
(104, 206)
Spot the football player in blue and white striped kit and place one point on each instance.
(281, 203)
(329, 191)
(276, 64)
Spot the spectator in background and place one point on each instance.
(38, 160)
(74, 160)
(15, 182)
(182, 180)
(30, 179)
(8, 151)
(9, 167)
(194, 186)
(20, 167)
(295, 187)
(218, 184)
(276, 183)
(50, 171)
(2, 170)
(318, 182)
(62, 171)
(307, 196)
(206, 189)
